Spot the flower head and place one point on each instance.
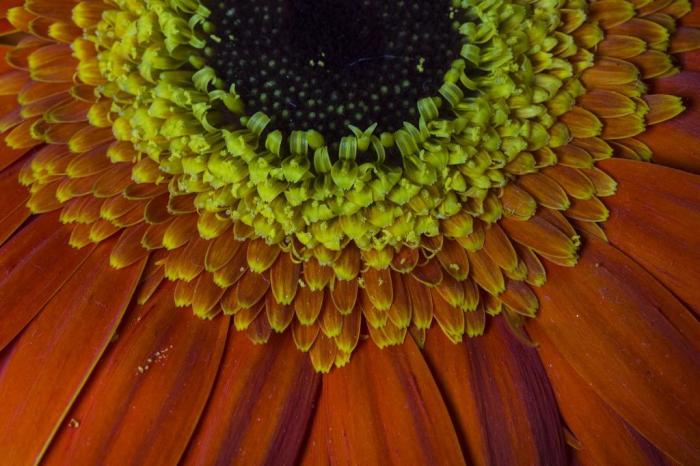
(339, 171)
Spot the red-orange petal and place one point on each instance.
(491, 379)
(632, 342)
(655, 219)
(607, 440)
(398, 414)
(40, 249)
(261, 405)
(161, 368)
(62, 344)
(675, 142)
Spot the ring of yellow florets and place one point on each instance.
(497, 108)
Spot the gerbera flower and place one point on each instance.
(478, 219)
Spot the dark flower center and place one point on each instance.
(325, 64)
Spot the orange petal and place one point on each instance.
(573, 180)
(609, 72)
(307, 305)
(221, 251)
(429, 273)
(348, 263)
(330, 321)
(304, 335)
(400, 311)
(234, 269)
(20, 137)
(128, 249)
(180, 231)
(492, 378)
(284, 278)
(545, 190)
(674, 142)
(192, 259)
(607, 104)
(449, 317)
(619, 328)
(421, 302)
(652, 63)
(13, 82)
(56, 9)
(517, 202)
(405, 259)
(323, 353)
(344, 295)
(206, 296)
(486, 273)
(392, 397)
(261, 255)
(276, 388)
(279, 316)
(662, 107)
(499, 248)
(53, 63)
(87, 310)
(162, 367)
(12, 209)
(156, 210)
(618, 46)
(655, 219)
(378, 287)
(519, 297)
(453, 259)
(39, 249)
(588, 210)
(654, 34)
(8, 156)
(251, 288)
(604, 437)
(316, 275)
(374, 317)
(542, 236)
(582, 123)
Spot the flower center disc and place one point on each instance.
(327, 64)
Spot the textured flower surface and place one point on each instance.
(355, 232)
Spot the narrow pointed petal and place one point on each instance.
(619, 328)
(284, 278)
(308, 303)
(392, 397)
(161, 367)
(378, 287)
(63, 343)
(261, 406)
(421, 302)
